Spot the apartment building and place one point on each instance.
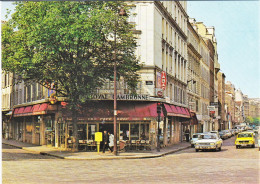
(161, 29)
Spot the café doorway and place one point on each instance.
(109, 127)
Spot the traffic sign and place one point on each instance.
(211, 108)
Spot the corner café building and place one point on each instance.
(46, 124)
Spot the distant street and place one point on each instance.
(230, 165)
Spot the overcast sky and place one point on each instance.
(237, 31)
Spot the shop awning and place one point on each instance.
(140, 111)
(31, 110)
(194, 120)
(27, 109)
(177, 111)
(125, 111)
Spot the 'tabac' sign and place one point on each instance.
(164, 81)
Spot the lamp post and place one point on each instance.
(121, 13)
(159, 110)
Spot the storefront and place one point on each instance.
(136, 121)
(28, 124)
(178, 121)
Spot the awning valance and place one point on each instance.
(125, 111)
(177, 111)
(31, 110)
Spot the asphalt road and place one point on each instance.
(230, 165)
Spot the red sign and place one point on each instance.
(164, 81)
(159, 93)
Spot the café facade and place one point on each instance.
(137, 122)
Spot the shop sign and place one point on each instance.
(149, 82)
(164, 81)
(158, 80)
(142, 97)
(98, 136)
(211, 108)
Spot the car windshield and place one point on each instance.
(208, 136)
(244, 135)
(195, 136)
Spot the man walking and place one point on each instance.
(187, 134)
(105, 141)
(111, 142)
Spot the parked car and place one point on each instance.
(251, 131)
(245, 139)
(223, 135)
(256, 129)
(194, 138)
(208, 142)
(227, 132)
(232, 131)
(214, 132)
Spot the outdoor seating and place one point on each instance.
(132, 144)
(70, 145)
(142, 144)
(148, 144)
(138, 144)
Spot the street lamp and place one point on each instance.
(159, 110)
(122, 12)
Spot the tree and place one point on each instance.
(71, 44)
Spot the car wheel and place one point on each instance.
(197, 150)
(253, 146)
(219, 148)
(237, 146)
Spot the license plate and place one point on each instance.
(243, 144)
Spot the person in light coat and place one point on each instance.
(111, 141)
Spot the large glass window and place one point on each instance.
(124, 131)
(92, 128)
(144, 130)
(82, 131)
(134, 132)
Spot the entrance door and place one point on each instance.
(109, 127)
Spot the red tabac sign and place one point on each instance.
(163, 79)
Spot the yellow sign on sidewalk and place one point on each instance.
(98, 138)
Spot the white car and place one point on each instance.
(194, 138)
(208, 142)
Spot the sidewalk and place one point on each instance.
(63, 154)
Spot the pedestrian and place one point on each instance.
(111, 142)
(187, 134)
(105, 141)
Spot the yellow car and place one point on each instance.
(245, 139)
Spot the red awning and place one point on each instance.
(35, 107)
(43, 107)
(139, 111)
(16, 111)
(31, 110)
(194, 120)
(20, 111)
(27, 109)
(126, 111)
(173, 110)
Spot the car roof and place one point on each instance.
(208, 134)
(246, 132)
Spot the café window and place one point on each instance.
(92, 128)
(82, 131)
(124, 131)
(144, 130)
(134, 132)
